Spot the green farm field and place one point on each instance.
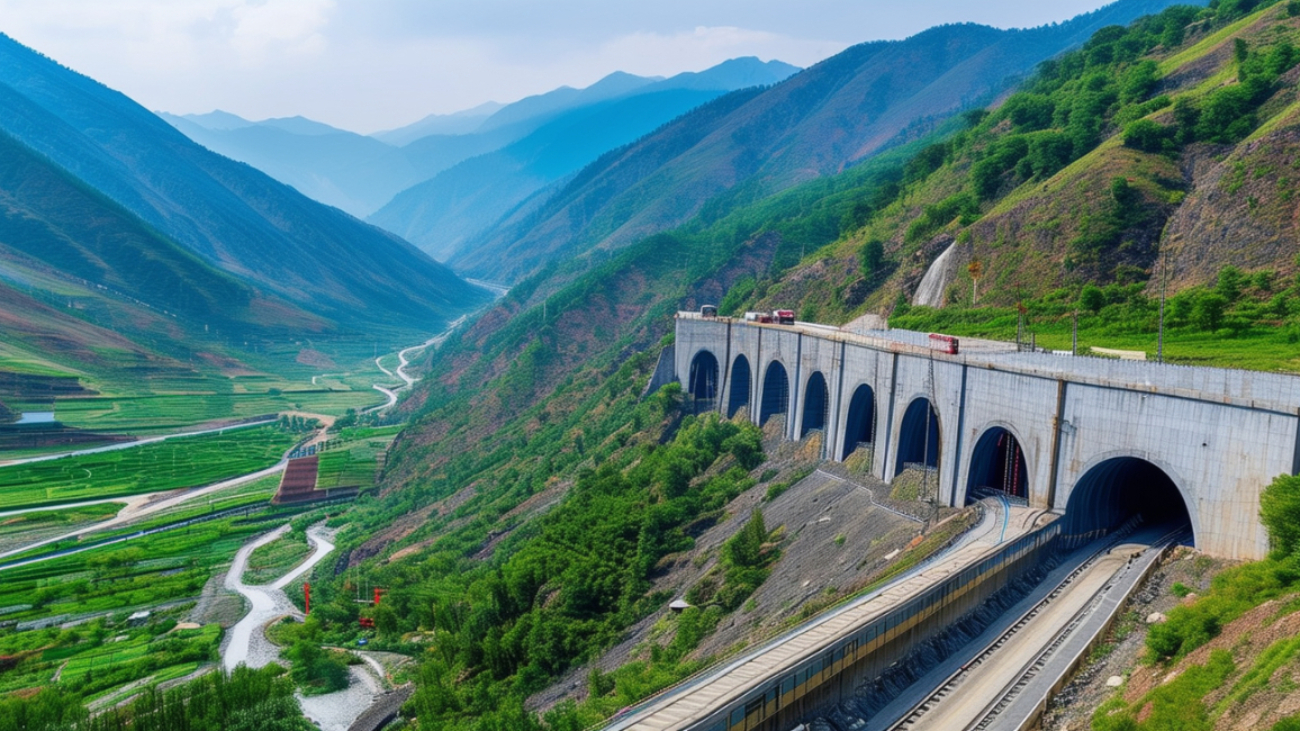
(167, 465)
(351, 459)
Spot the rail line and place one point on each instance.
(934, 710)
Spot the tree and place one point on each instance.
(1091, 298)
(1230, 282)
(1207, 312)
(1147, 136)
(870, 257)
(746, 547)
(1279, 511)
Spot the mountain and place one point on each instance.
(353, 172)
(457, 123)
(360, 174)
(441, 213)
(818, 122)
(228, 214)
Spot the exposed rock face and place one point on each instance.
(1242, 209)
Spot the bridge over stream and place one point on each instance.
(1094, 439)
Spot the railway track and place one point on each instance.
(1000, 670)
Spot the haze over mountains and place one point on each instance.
(753, 143)
(360, 174)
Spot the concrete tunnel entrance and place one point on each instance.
(860, 429)
(740, 384)
(1118, 489)
(816, 404)
(997, 464)
(776, 392)
(918, 438)
(703, 382)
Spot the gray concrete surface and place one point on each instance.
(1219, 435)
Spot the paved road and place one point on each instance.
(130, 445)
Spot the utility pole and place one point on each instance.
(1074, 335)
(1160, 337)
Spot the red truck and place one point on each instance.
(943, 343)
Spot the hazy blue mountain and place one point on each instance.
(349, 171)
(457, 123)
(227, 213)
(834, 114)
(442, 213)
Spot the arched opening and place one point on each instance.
(816, 404)
(1111, 493)
(776, 392)
(703, 383)
(918, 439)
(997, 464)
(740, 384)
(860, 429)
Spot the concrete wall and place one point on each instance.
(1220, 435)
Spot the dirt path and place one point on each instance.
(404, 360)
(245, 643)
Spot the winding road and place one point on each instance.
(404, 358)
(246, 644)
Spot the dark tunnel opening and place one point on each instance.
(816, 405)
(861, 425)
(918, 438)
(740, 385)
(703, 383)
(776, 392)
(997, 464)
(1118, 489)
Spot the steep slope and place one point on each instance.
(441, 213)
(48, 216)
(833, 114)
(230, 215)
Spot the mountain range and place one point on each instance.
(753, 143)
(113, 221)
(360, 174)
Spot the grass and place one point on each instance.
(1261, 347)
(352, 458)
(273, 560)
(167, 465)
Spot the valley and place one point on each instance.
(944, 382)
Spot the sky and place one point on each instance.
(370, 65)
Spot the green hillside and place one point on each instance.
(530, 420)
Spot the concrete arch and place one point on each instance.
(919, 437)
(703, 382)
(741, 384)
(860, 425)
(816, 404)
(1116, 487)
(998, 461)
(775, 398)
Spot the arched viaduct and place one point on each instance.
(1094, 439)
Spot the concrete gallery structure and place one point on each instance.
(1097, 440)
